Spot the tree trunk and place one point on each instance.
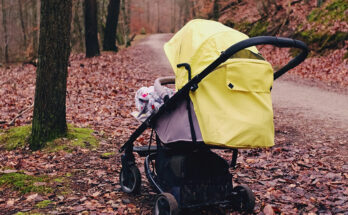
(320, 2)
(4, 22)
(193, 9)
(174, 18)
(22, 23)
(126, 21)
(187, 11)
(216, 10)
(35, 31)
(158, 17)
(77, 25)
(148, 11)
(109, 43)
(51, 76)
(91, 28)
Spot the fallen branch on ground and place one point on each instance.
(23, 111)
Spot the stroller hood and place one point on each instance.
(232, 104)
(199, 43)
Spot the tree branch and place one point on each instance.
(21, 112)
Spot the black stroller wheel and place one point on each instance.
(130, 179)
(246, 198)
(166, 204)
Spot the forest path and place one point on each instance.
(307, 101)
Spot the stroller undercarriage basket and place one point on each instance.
(198, 178)
(184, 171)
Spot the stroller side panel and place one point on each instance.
(174, 126)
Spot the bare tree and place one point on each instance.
(4, 23)
(125, 7)
(216, 10)
(35, 29)
(158, 16)
(49, 120)
(22, 23)
(78, 30)
(174, 17)
(109, 43)
(91, 28)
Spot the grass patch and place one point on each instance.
(28, 213)
(76, 137)
(25, 183)
(44, 204)
(16, 137)
(82, 137)
(63, 183)
(107, 155)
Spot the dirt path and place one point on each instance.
(154, 43)
(312, 102)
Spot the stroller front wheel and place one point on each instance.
(246, 198)
(166, 204)
(130, 179)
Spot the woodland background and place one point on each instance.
(305, 173)
(323, 25)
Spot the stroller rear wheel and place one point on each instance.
(246, 198)
(130, 179)
(166, 204)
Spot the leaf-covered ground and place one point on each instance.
(305, 173)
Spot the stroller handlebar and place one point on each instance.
(281, 42)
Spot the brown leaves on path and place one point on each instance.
(306, 172)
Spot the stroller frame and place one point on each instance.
(242, 195)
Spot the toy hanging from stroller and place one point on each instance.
(222, 101)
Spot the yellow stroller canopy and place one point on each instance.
(232, 104)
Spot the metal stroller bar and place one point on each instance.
(183, 92)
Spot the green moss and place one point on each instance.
(76, 137)
(25, 183)
(16, 137)
(258, 29)
(107, 155)
(82, 137)
(320, 41)
(63, 187)
(334, 11)
(43, 204)
(27, 213)
(58, 180)
(243, 26)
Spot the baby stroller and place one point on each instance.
(222, 102)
